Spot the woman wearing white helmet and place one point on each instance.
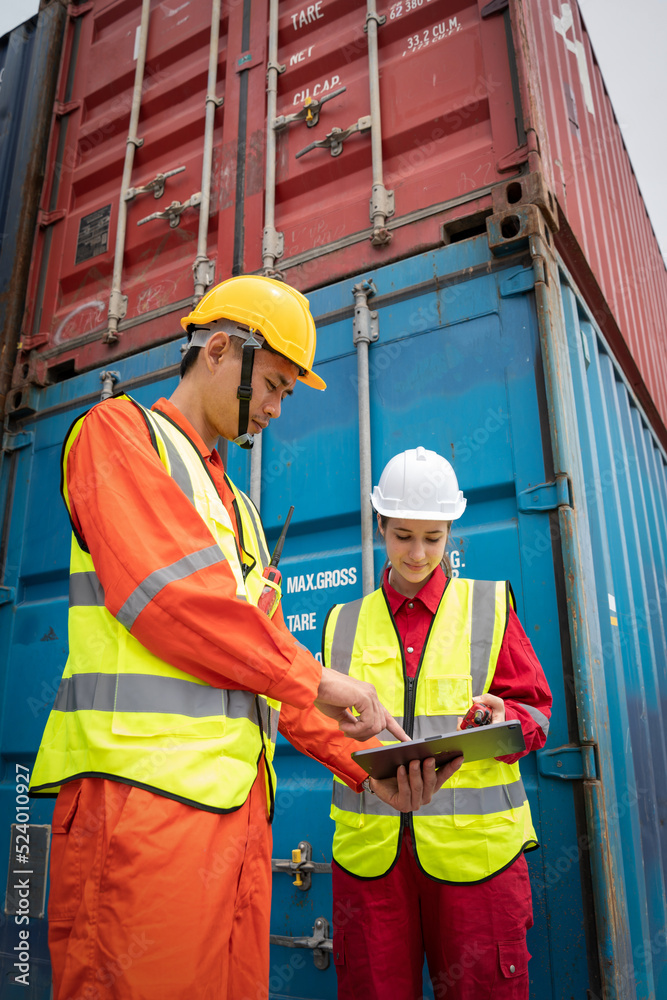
(450, 881)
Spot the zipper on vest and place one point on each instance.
(409, 726)
(409, 699)
(409, 714)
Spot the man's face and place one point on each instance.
(273, 379)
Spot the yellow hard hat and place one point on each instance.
(275, 310)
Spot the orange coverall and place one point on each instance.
(150, 898)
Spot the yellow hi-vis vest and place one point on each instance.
(479, 822)
(121, 712)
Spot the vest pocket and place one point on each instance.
(380, 666)
(148, 705)
(448, 695)
(150, 702)
(150, 725)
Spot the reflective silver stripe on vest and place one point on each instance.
(269, 719)
(179, 472)
(274, 718)
(150, 694)
(85, 591)
(475, 801)
(385, 736)
(350, 801)
(259, 531)
(96, 692)
(343, 637)
(445, 802)
(539, 717)
(433, 725)
(481, 632)
(425, 726)
(154, 582)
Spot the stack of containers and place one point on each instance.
(457, 170)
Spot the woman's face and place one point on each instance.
(414, 549)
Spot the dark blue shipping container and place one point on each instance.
(486, 353)
(29, 66)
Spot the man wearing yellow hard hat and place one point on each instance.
(160, 741)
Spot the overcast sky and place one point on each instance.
(629, 41)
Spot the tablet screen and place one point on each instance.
(496, 740)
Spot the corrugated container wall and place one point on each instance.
(383, 135)
(494, 225)
(567, 493)
(605, 235)
(29, 64)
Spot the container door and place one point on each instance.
(456, 368)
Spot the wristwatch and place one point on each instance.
(366, 785)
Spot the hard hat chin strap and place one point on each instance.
(199, 337)
(245, 441)
(244, 391)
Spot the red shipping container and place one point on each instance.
(485, 108)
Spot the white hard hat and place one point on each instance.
(419, 485)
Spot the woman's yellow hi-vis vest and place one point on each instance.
(121, 712)
(479, 822)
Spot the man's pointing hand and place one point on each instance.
(338, 694)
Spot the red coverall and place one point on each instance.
(152, 899)
(473, 935)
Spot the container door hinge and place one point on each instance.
(48, 218)
(247, 61)
(514, 159)
(540, 269)
(7, 595)
(320, 943)
(77, 10)
(301, 866)
(518, 283)
(546, 496)
(20, 439)
(569, 763)
(66, 109)
(495, 7)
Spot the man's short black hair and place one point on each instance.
(188, 360)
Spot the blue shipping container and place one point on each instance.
(485, 353)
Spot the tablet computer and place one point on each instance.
(495, 740)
